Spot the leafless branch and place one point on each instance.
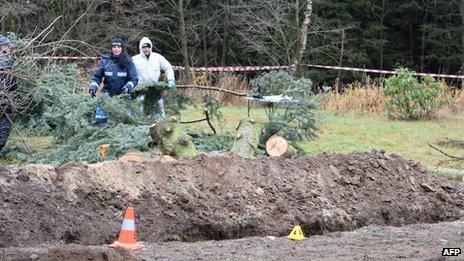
(212, 88)
(444, 153)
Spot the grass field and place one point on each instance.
(350, 133)
(341, 134)
(406, 138)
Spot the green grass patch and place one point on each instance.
(352, 133)
(349, 133)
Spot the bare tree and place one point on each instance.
(183, 39)
(266, 28)
(279, 30)
(301, 48)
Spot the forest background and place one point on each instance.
(424, 35)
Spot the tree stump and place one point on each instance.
(247, 139)
(171, 138)
(278, 146)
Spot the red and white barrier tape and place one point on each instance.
(233, 68)
(265, 68)
(352, 69)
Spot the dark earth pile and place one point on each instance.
(219, 197)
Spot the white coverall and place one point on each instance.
(149, 70)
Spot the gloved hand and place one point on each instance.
(171, 84)
(93, 90)
(127, 88)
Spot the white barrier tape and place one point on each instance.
(266, 68)
(67, 58)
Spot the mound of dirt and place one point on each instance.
(219, 197)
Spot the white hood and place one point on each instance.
(143, 41)
(150, 68)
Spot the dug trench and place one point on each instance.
(220, 197)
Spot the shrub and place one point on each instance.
(280, 82)
(410, 99)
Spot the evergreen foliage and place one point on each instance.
(65, 112)
(296, 121)
(410, 99)
(209, 143)
(281, 82)
(60, 109)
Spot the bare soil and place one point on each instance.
(217, 198)
(412, 242)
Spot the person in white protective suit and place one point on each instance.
(149, 66)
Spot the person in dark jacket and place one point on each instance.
(7, 84)
(118, 71)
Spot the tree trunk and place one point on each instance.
(247, 139)
(454, 174)
(183, 41)
(412, 29)
(171, 138)
(225, 41)
(204, 7)
(422, 64)
(382, 36)
(303, 38)
(340, 62)
(297, 12)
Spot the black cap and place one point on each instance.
(146, 45)
(117, 42)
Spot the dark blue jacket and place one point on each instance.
(115, 76)
(7, 83)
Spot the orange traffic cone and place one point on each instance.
(127, 237)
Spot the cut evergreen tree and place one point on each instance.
(62, 110)
(294, 121)
(247, 139)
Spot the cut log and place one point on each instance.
(278, 146)
(171, 138)
(454, 174)
(133, 156)
(247, 139)
(167, 159)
